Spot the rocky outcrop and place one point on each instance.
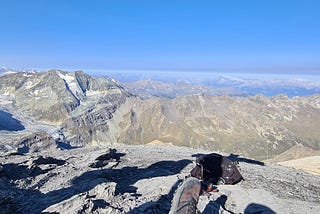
(92, 125)
(53, 95)
(35, 142)
(110, 157)
(29, 143)
(77, 103)
(44, 96)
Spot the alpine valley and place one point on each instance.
(73, 109)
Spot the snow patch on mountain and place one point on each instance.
(72, 84)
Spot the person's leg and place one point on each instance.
(186, 198)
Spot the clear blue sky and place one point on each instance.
(228, 35)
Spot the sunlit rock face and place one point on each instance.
(75, 102)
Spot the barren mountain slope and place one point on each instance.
(258, 126)
(142, 179)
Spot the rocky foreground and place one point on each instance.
(143, 179)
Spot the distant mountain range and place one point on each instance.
(172, 84)
(271, 87)
(151, 88)
(77, 109)
(4, 70)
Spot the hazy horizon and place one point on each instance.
(187, 73)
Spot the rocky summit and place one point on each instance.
(143, 179)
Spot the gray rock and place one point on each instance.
(144, 181)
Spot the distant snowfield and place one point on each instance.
(71, 83)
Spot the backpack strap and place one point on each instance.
(201, 171)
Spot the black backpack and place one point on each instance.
(216, 169)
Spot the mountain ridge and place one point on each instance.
(87, 111)
(150, 88)
(243, 84)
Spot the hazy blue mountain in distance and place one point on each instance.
(243, 84)
(150, 88)
(4, 70)
(269, 87)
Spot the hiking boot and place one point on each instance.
(186, 198)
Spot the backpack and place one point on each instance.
(216, 169)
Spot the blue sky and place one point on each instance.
(277, 36)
